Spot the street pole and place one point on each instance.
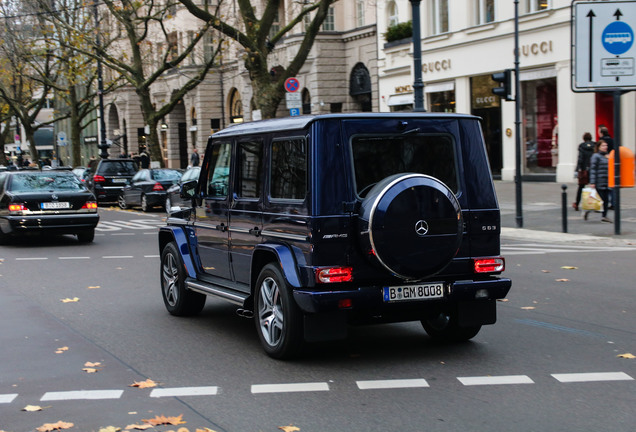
(617, 162)
(418, 85)
(103, 147)
(518, 191)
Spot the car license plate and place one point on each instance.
(55, 205)
(413, 292)
(119, 180)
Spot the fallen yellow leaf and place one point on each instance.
(199, 430)
(90, 370)
(32, 408)
(70, 300)
(139, 426)
(163, 420)
(528, 307)
(562, 280)
(545, 271)
(627, 356)
(61, 350)
(289, 428)
(94, 287)
(569, 268)
(110, 429)
(48, 427)
(144, 384)
(91, 364)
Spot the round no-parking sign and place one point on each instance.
(292, 85)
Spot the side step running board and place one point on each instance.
(230, 295)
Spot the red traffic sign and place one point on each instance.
(292, 85)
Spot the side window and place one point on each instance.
(219, 174)
(288, 172)
(250, 171)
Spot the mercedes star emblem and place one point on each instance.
(421, 228)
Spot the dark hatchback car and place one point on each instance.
(110, 177)
(53, 202)
(148, 187)
(310, 224)
(173, 194)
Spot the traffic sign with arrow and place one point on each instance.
(603, 49)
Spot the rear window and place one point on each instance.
(377, 157)
(166, 174)
(45, 182)
(117, 168)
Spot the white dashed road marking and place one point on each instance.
(184, 391)
(289, 388)
(8, 398)
(392, 384)
(82, 395)
(592, 377)
(495, 380)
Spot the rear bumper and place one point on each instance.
(65, 223)
(156, 198)
(107, 193)
(369, 300)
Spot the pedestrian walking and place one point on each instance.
(604, 135)
(586, 150)
(598, 177)
(144, 159)
(194, 158)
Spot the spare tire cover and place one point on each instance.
(411, 224)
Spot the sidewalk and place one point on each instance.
(542, 214)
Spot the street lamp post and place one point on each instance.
(418, 85)
(103, 147)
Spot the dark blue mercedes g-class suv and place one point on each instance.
(312, 223)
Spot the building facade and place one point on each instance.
(464, 45)
(338, 76)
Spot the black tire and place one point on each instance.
(277, 317)
(121, 200)
(86, 236)
(411, 225)
(179, 301)
(4, 238)
(444, 328)
(144, 204)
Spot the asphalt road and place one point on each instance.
(551, 363)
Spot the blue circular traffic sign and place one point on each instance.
(618, 37)
(292, 85)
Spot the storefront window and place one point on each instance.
(540, 125)
(442, 101)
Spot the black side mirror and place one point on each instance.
(188, 189)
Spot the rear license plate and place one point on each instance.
(413, 292)
(119, 180)
(55, 205)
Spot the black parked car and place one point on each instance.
(147, 188)
(46, 202)
(173, 194)
(110, 177)
(313, 223)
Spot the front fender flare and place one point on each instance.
(178, 235)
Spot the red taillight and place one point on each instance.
(157, 187)
(334, 274)
(98, 179)
(17, 207)
(489, 265)
(90, 205)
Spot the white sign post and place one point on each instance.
(603, 49)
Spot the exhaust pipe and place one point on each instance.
(244, 313)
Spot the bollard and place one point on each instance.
(564, 207)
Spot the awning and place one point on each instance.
(400, 99)
(439, 87)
